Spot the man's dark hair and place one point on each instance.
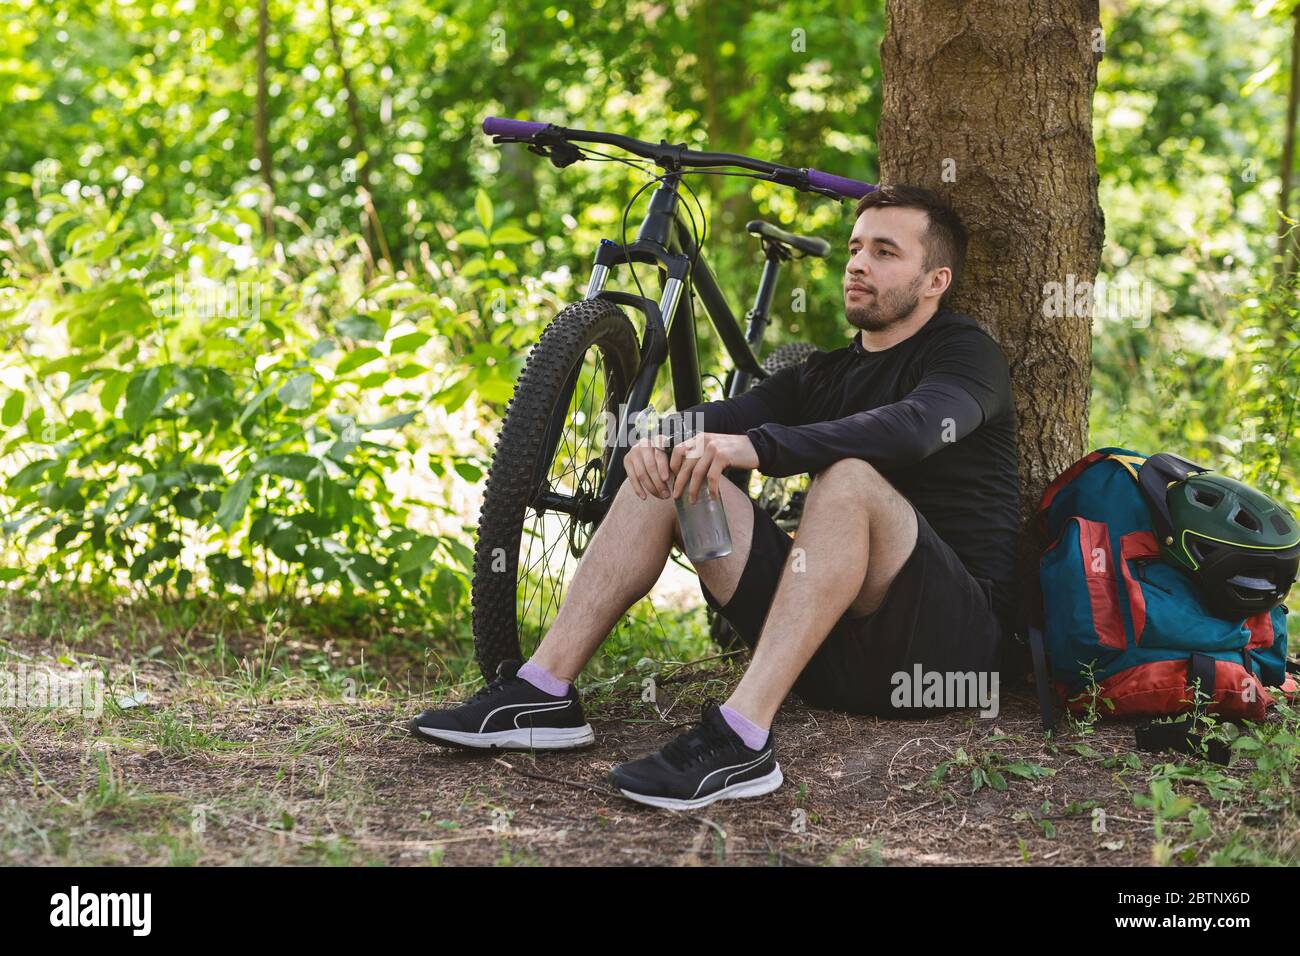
(945, 237)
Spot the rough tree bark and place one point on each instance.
(990, 104)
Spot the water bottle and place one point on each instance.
(704, 523)
(704, 526)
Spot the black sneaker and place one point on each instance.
(707, 763)
(508, 714)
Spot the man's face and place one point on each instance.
(885, 277)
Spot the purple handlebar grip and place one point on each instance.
(496, 126)
(849, 188)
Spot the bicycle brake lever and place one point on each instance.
(560, 152)
(800, 181)
(827, 193)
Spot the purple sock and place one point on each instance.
(543, 680)
(753, 735)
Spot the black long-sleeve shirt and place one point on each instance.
(933, 413)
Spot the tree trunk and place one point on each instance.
(262, 124)
(991, 106)
(377, 238)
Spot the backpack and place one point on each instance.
(1111, 612)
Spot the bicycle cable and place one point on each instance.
(699, 230)
(698, 236)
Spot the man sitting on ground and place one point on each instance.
(904, 554)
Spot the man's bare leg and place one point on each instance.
(855, 534)
(622, 562)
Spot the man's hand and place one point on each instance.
(704, 457)
(646, 464)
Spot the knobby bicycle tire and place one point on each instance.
(511, 479)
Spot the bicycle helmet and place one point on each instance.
(1240, 546)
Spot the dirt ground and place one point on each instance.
(209, 772)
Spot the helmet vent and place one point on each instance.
(1245, 519)
(1252, 580)
(1280, 525)
(1205, 497)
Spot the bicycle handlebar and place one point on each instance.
(498, 126)
(850, 188)
(838, 187)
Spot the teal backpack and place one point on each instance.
(1117, 627)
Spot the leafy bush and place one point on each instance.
(195, 407)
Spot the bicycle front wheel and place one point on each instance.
(549, 462)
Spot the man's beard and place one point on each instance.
(887, 310)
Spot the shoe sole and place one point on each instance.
(522, 738)
(750, 788)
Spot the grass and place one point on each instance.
(268, 737)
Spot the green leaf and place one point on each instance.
(111, 392)
(228, 570)
(359, 327)
(472, 237)
(510, 236)
(445, 591)
(1028, 771)
(142, 394)
(496, 388)
(407, 343)
(483, 206)
(12, 413)
(398, 290)
(234, 502)
(297, 467)
(255, 403)
(224, 232)
(415, 557)
(79, 272)
(473, 267)
(31, 474)
(296, 393)
(397, 421)
(357, 358)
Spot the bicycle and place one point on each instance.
(591, 347)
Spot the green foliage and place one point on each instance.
(1188, 123)
(194, 410)
(147, 443)
(985, 767)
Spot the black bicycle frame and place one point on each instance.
(665, 242)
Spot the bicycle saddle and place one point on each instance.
(808, 245)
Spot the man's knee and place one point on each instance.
(855, 482)
(656, 503)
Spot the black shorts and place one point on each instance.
(935, 614)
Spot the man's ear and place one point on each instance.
(940, 280)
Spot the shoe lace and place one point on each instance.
(701, 741)
(493, 687)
